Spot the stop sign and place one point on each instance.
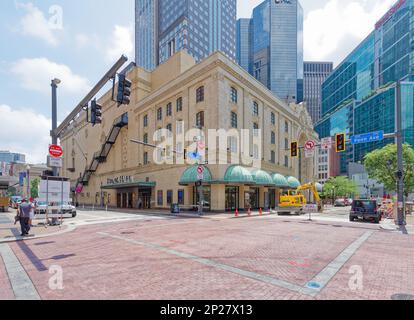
(55, 151)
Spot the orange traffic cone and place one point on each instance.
(237, 212)
(250, 212)
(261, 211)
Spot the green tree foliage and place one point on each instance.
(340, 187)
(34, 188)
(381, 165)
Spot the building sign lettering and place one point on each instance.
(388, 15)
(120, 180)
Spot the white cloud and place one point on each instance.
(35, 24)
(25, 131)
(334, 30)
(121, 42)
(36, 75)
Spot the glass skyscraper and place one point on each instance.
(164, 27)
(243, 38)
(365, 80)
(276, 47)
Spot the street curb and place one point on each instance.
(70, 228)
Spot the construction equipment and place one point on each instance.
(312, 187)
(4, 204)
(294, 200)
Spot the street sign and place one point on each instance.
(310, 145)
(200, 173)
(53, 162)
(310, 208)
(368, 137)
(309, 153)
(55, 151)
(326, 143)
(194, 155)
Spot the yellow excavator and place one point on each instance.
(294, 200)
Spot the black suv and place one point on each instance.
(365, 209)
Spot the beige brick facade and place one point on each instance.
(178, 80)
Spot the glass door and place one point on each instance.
(232, 198)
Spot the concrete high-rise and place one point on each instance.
(276, 47)
(315, 73)
(164, 27)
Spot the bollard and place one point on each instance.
(250, 212)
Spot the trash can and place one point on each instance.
(175, 208)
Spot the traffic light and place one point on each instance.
(124, 90)
(96, 113)
(294, 149)
(340, 140)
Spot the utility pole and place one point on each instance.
(54, 85)
(400, 167)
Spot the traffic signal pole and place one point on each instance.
(400, 166)
(54, 119)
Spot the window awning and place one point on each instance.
(238, 175)
(280, 181)
(293, 182)
(262, 178)
(190, 176)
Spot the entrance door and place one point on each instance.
(272, 198)
(145, 195)
(232, 198)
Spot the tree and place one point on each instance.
(34, 188)
(339, 187)
(381, 165)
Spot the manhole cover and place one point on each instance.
(402, 296)
(313, 285)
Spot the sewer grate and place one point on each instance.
(402, 296)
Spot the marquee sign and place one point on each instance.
(120, 180)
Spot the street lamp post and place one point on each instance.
(28, 182)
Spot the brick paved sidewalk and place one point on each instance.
(11, 232)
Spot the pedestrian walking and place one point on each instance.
(23, 213)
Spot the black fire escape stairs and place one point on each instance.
(102, 155)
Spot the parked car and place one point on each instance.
(340, 203)
(348, 202)
(366, 210)
(67, 208)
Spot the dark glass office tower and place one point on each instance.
(276, 47)
(164, 27)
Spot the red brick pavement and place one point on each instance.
(6, 292)
(98, 267)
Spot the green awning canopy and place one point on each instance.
(319, 187)
(262, 178)
(280, 181)
(238, 175)
(190, 176)
(293, 182)
(137, 184)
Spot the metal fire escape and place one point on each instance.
(102, 155)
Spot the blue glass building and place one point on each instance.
(164, 27)
(276, 47)
(363, 85)
(243, 38)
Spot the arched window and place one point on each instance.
(179, 104)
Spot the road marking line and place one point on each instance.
(327, 274)
(20, 281)
(211, 263)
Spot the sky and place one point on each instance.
(78, 40)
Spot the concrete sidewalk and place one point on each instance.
(9, 231)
